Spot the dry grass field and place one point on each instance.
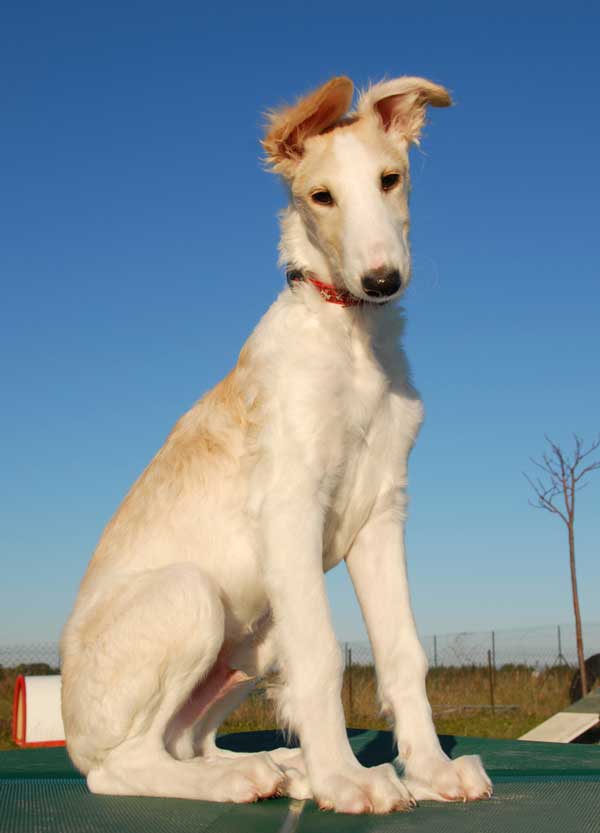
(460, 698)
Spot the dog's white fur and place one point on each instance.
(295, 461)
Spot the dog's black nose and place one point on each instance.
(382, 284)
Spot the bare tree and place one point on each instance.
(555, 492)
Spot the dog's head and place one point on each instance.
(349, 180)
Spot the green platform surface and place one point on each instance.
(543, 787)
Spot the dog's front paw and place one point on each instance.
(361, 790)
(442, 779)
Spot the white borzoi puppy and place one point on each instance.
(211, 572)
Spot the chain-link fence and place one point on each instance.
(535, 647)
(526, 674)
(34, 654)
(538, 647)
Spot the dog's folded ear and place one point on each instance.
(400, 104)
(289, 127)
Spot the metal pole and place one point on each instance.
(494, 653)
(491, 676)
(435, 658)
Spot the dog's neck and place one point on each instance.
(296, 250)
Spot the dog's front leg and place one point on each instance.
(291, 531)
(378, 570)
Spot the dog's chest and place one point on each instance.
(362, 435)
(338, 415)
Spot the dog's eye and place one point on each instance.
(389, 181)
(322, 197)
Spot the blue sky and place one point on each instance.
(138, 249)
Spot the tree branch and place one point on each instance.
(563, 473)
(545, 496)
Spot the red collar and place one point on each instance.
(328, 292)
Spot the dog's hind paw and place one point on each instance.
(249, 777)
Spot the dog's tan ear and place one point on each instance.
(401, 104)
(289, 127)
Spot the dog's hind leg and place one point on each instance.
(256, 656)
(130, 662)
(290, 761)
(193, 730)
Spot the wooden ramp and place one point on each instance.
(569, 724)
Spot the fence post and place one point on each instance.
(494, 654)
(560, 656)
(435, 658)
(350, 695)
(345, 677)
(491, 676)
